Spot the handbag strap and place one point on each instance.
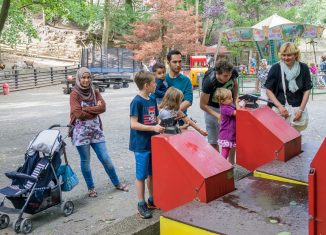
(283, 84)
(64, 153)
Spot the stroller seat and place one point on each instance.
(35, 186)
(20, 189)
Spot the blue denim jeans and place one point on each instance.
(103, 156)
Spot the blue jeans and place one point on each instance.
(103, 156)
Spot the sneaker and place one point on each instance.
(144, 212)
(150, 204)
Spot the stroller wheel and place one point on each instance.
(16, 225)
(4, 221)
(26, 226)
(67, 208)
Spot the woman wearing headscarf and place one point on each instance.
(85, 106)
(297, 82)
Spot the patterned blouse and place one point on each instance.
(87, 131)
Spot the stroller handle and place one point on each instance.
(58, 125)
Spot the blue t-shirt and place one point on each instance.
(161, 88)
(323, 66)
(147, 112)
(183, 83)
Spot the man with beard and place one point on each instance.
(225, 77)
(176, 79)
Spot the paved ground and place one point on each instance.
(25, 113)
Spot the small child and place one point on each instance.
(227, 133)
(170, 108)
(161, 84)
(313, 68)
(144, 124)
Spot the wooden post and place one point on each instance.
(35, 77)
(51, 70)
(16, 79)
(66, 72)
(133, 65)
(118, 60)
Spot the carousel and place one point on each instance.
(269, 34)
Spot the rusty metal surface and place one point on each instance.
(296, 168)
(258, 206)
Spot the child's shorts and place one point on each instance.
(143, 165)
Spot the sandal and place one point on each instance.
(92, 193)
(122, 187)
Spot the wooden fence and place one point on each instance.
(33, 78)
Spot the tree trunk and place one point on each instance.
(164, 47)
(197, 17)
(206, 25)
(257, 14)
(220, 38)
(209, 31)
(43, 16)
(91, 2)
(4, 14)
(106, 26)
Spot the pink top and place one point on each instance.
(314, 69)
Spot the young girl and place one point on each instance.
(313, 68)
(170, 108)
(226, 137)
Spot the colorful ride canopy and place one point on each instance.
(270, 33)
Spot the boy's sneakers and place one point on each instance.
(143, 211)
(150, 204)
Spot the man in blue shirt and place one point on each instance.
(176, 79)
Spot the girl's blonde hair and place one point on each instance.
(290, 48)
(172, 99)
(222, 94)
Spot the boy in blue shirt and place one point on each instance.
(143, 125)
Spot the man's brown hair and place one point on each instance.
(222, 66)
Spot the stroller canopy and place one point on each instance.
(47, 142)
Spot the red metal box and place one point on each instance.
(186, 168)
(263, 136)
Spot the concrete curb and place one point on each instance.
(134, 225)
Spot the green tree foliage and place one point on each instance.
(17, 24)
(19, 21)
(73, 11)
(312, 12)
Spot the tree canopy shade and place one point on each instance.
(169, 27)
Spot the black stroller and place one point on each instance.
(35, 185)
